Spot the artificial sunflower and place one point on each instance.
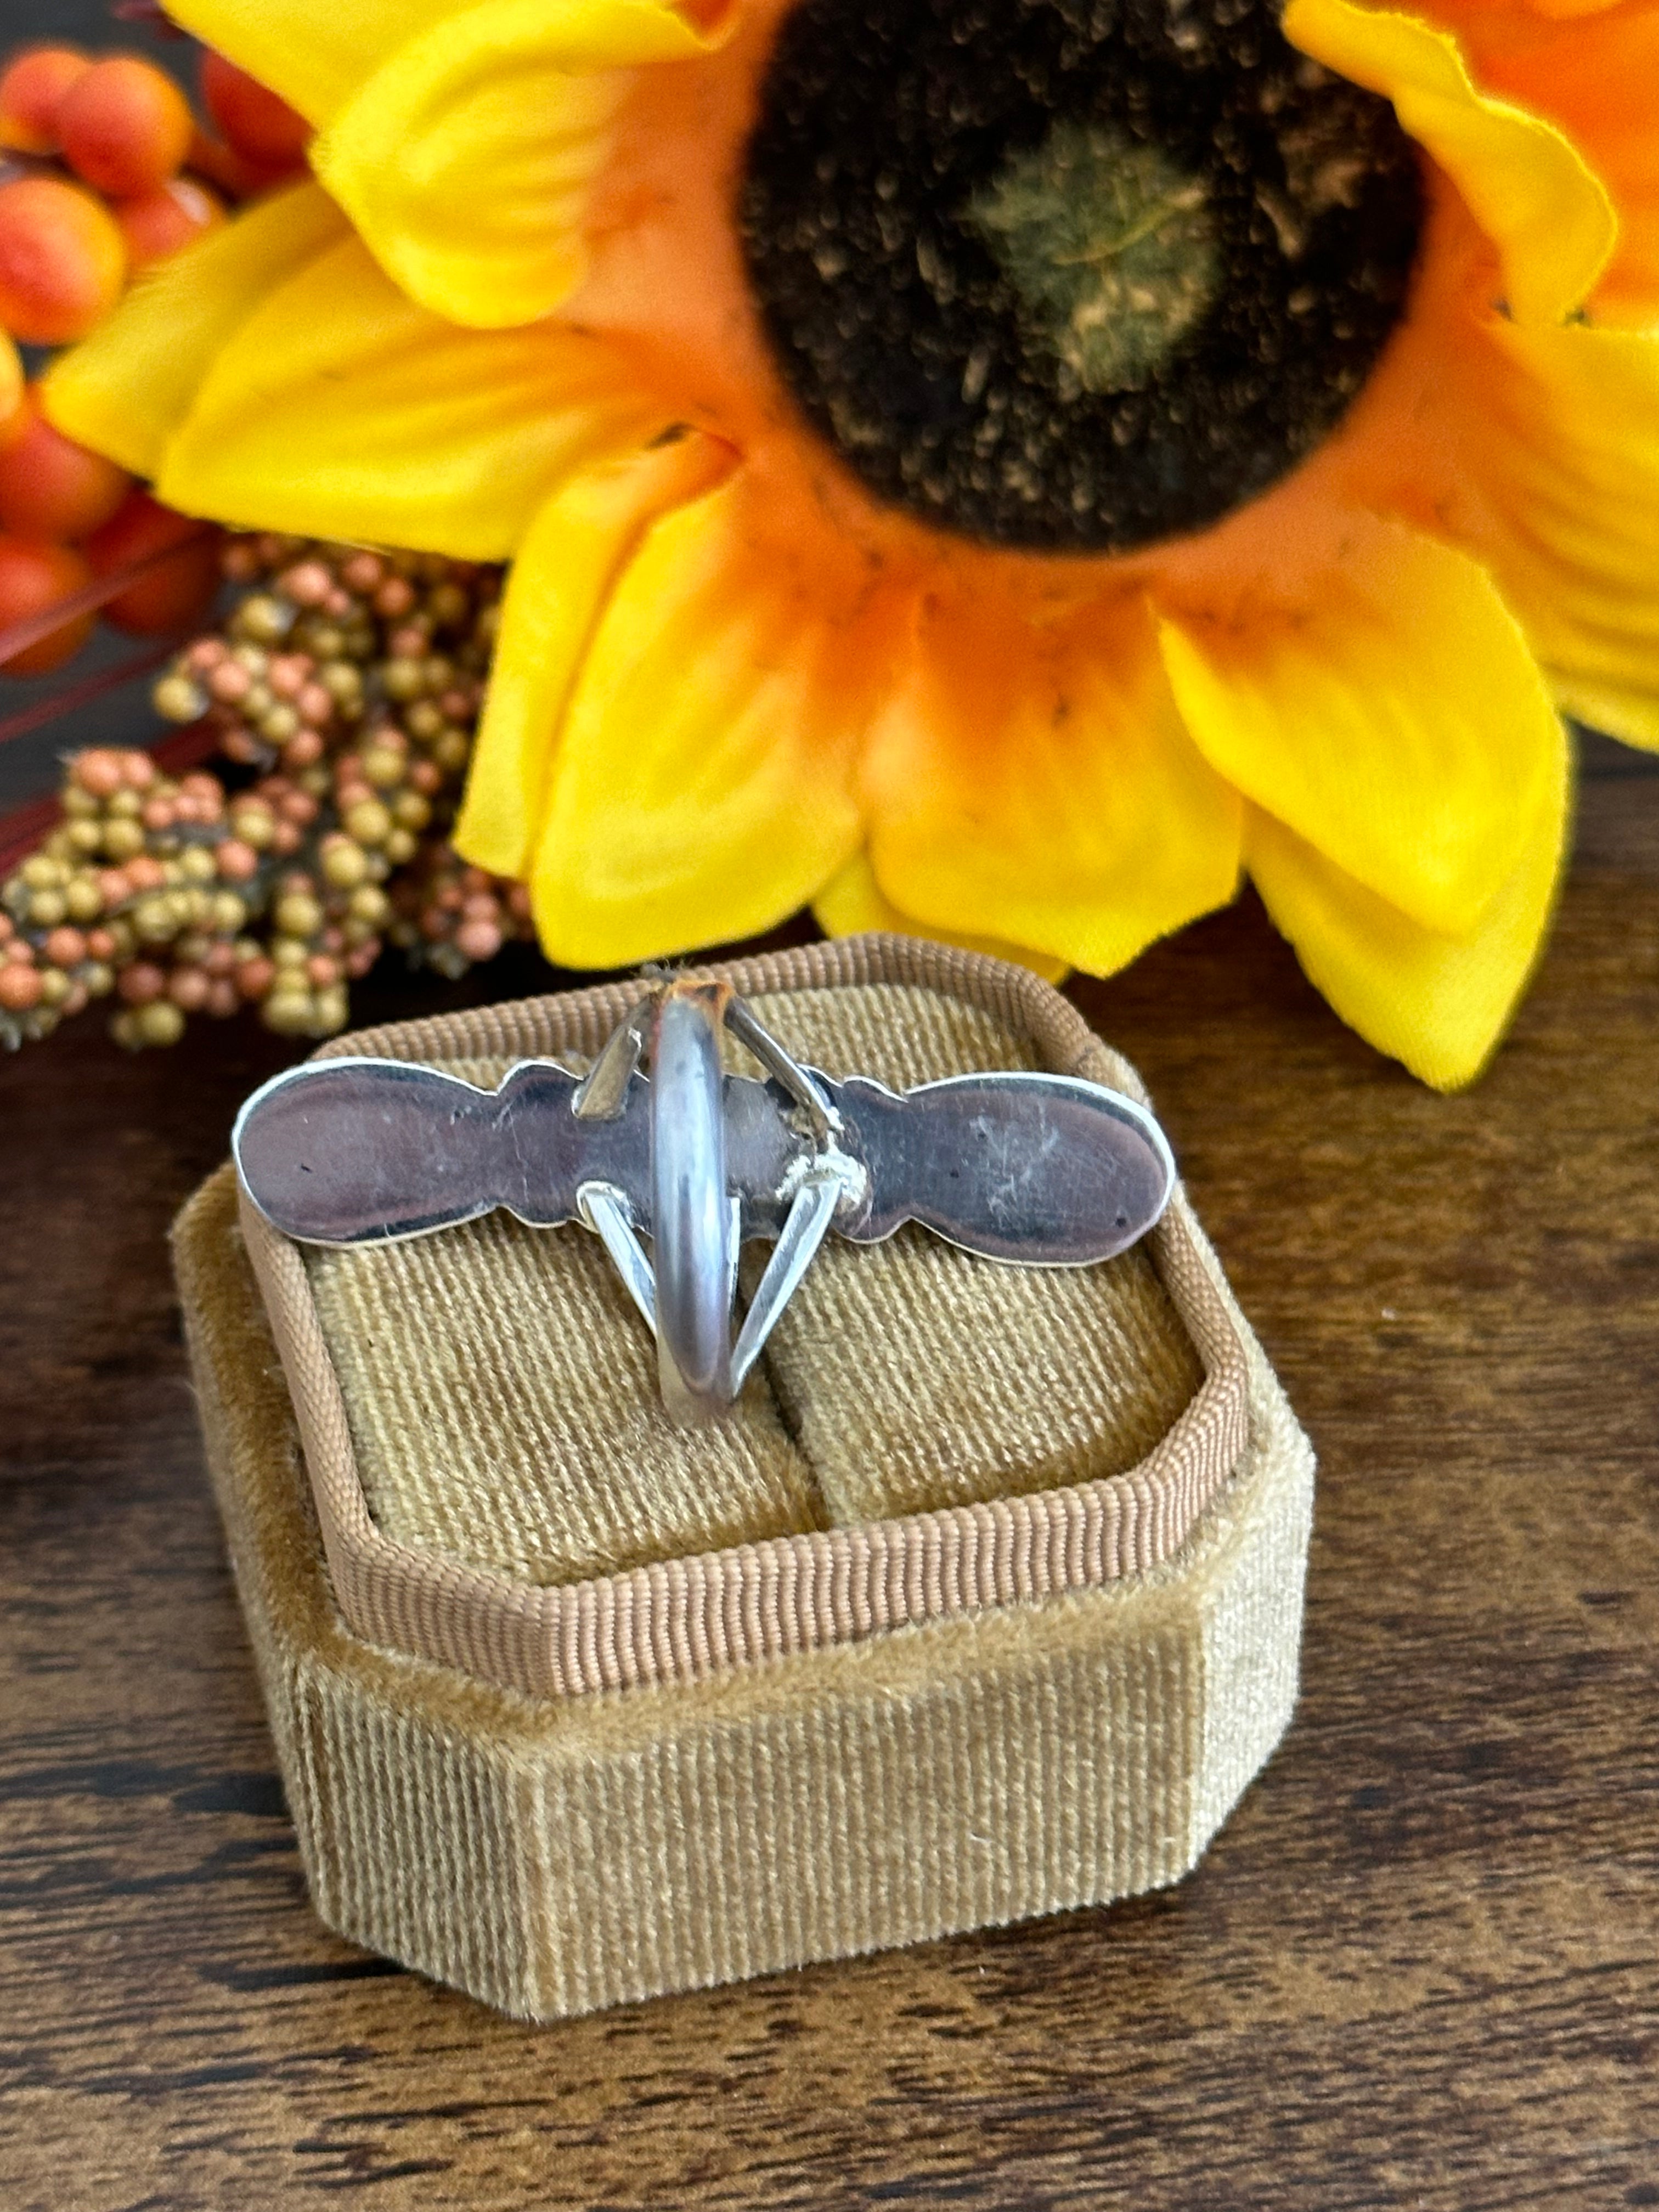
(997, 467)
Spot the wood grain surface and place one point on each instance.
(1420, 1965)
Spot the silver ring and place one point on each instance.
(1019, 1167)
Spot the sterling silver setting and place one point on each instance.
(657, 1142)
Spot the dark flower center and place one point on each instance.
(1071, 275)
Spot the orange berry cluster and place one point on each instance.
(125, 897)
(448, 915)
(343, 693)
(104, 144)
(103, 170)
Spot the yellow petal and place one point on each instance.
(1528, 186)
(1565, 449)
(855, 902)
(562, 574)
(1439, 1003)
(464, 161)
(1395, 720)
(703, 786)
(1038, 787)
(1613, 708)
(127, 388)
(314, 55)
(340, 408)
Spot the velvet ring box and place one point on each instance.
(984, 1602)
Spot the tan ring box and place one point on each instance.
(986, 1603)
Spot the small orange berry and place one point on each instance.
(66, 947)
(125, 126)
(32, 90)
(141, 982)
(20, 988)
(478, 939)
(63, 261)
(33, 577)
(237, 861)
(99, 771)
(159, 223)
(257, 123)
(187, 987)
(173, 593)
(50, 486)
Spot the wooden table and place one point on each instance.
(1418, 1967)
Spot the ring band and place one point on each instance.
(693, 1214)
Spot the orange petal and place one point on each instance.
(1036, 784)
(1528, 187)
(1394, 718)
(1598, 80)
(562, 575)
(1438, 1002)
(1466, 17)
(855, 902)
(703, 785)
